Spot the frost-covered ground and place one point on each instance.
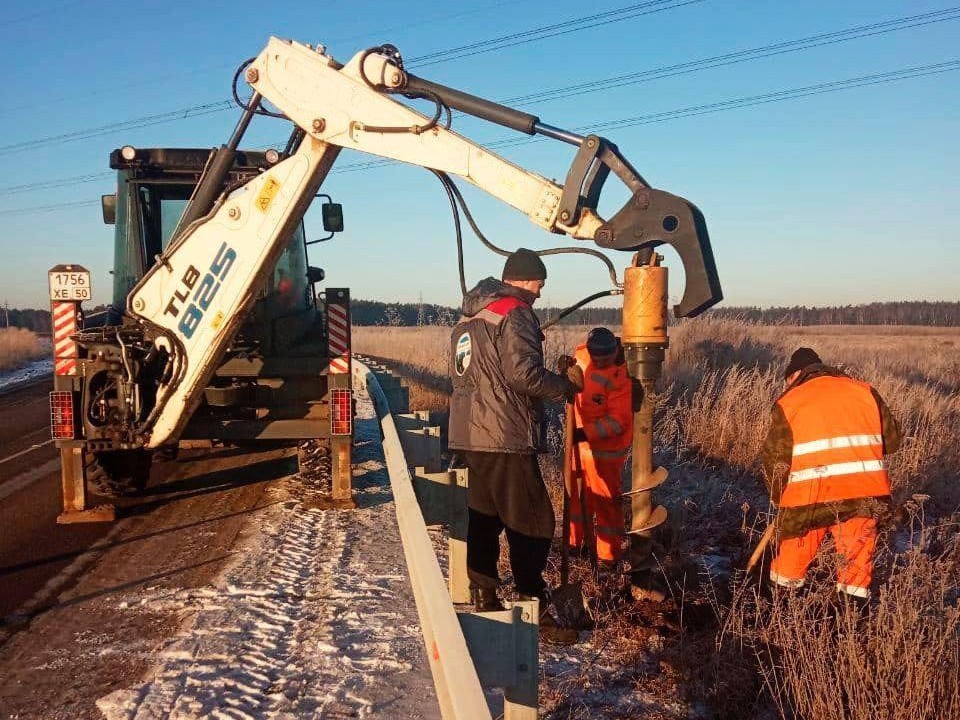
(34, 371)
(316, 621)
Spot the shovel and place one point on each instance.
(761, 546)
(568, 597)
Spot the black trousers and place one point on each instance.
(507, 493)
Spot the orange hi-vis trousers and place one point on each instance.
(600, 473)
(855, 538)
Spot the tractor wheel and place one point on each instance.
(118, 472)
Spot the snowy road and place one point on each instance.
(303, 613)
(36, 370)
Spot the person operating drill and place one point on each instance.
(603, 413)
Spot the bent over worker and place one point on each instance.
(823, 459)
(497, 425)
(603, 416)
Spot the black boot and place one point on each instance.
(485, 600)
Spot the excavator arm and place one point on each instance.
(199, 292)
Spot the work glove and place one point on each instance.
(575, 375)
(579, 435)
(564, 362)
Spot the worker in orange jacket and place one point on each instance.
(824, 465)
(603, 414)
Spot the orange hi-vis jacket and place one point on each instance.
(604, 409)
(837, 442)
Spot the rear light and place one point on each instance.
(341, 411)
(61, 415)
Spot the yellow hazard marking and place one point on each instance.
(270, 188)
(217, 320)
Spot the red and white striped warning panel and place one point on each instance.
(339, 331)
(64, 349)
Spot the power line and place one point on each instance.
(135, 124)
(739, 56)
(116, 87)
(52, 184)
(733, 104)
(545, 31)
(48, 208)
(548, 31)
(38, 13)
(778, 48)
(781, 95)
(649, 119)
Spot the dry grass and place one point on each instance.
(819, 656)
(721, 639)
(19, 346)
(418, 355)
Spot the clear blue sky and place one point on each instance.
(837, 198)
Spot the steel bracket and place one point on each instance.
(505, 648)
(442, 498)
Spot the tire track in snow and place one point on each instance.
(235, 661)
(317, 621)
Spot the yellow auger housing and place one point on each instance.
(644, 337)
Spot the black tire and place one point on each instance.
(118, 472)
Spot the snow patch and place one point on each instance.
(317, 620)
(28, 373)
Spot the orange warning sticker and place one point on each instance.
(269, 191)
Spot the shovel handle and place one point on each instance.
(567, 483)
(761, 546)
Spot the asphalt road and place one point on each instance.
(39, 558)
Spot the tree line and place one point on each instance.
(375, 312)
(930, 313)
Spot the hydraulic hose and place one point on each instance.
(577, 306)
(452, 187)
(456, 224)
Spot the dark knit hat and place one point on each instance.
(601, 341)
(800, 359)
(524, 264)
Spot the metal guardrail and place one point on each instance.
(466, 651)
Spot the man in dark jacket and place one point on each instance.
(496, 425)
(824, 464)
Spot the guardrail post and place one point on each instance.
(442, 497)
(398, 396)
(412, 420)
(505, 648)
(422, 447)
(457, 542)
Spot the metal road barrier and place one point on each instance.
(467, 651)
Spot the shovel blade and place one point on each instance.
(571, 606)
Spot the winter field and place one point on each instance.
(18, 347)
(723, 645)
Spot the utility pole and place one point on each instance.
(421, 320)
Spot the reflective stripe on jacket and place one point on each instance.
(604, 408)
(837, 437)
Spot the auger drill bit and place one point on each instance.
(645, 341)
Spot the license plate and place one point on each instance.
(69, 285)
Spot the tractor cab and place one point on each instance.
(154, 186)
